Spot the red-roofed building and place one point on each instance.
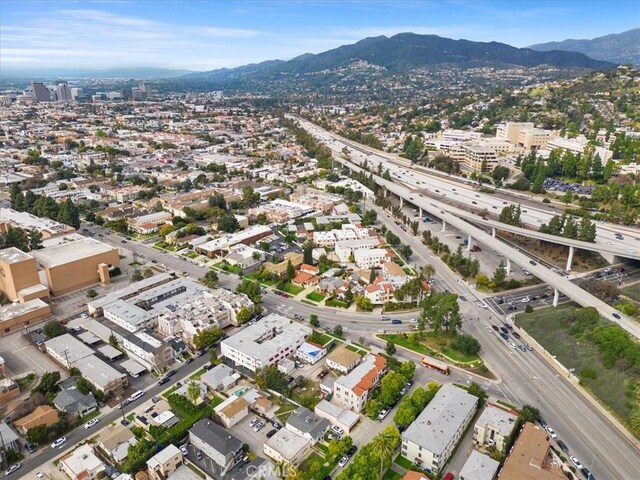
(352, 390)
(310, 269)
(305, 279)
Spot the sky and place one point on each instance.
(205, 35)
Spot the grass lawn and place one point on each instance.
(198, 374)
(170, 391)
(316, 296)
(336, 303)
(192, 255)
(292, 289)
(391, 475)
(430, 344)
(610, 386)
(323, 447)
(309, 395)
(314, 457)
(215, 401)
(88, 417)
(632, 292)
(25, 382)
(403, 462)
(359, 351)
(228, 268)
(285, 410)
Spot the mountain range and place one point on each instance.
(407, 51)
(617, 48)
(119, 72)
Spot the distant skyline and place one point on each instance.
(205, 35)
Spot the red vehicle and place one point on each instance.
(448, 476)
(436, 365)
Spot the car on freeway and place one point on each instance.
(91, 423)
(462, 298)
(528, 347)
(587, 473)
(616, 315)
(396, 321)
(59, 442)
(522, 348)
(495, 327)
(384, 318)
(504, 335)
(512, 345)
(576, 461)
(533, 263)
(563, 446)
(552, 433)
(525, 300)
(516, 335)
(413, 320)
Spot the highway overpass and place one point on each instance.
(558, 283)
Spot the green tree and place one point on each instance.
(466, 344)
(529, 413)
(53, 328)
(136, 276)
(48, 383)
(337, 330)
(477, 390)
(364, 304)
(193, 391)
(91, 294)
(308, 254)
(14, 237)
(384, 445)
(243, 315)
(408, 370)
(291, 271)
(313, 320)
(207, 337)
(228, 223)
(34, 239)
(210, 279)
(38, 434)
(500, 274)
(348, 296)
(390, 348)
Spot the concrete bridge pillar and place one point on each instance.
(493, 232)
(444, 226)
(401, 202)
(420, 211)
(384, 192)
(556, 297)
(570, 259)
(508, 267)
(469, 243)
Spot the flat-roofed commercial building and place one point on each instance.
(480, 158)
(432, 437)
(76, 264)
(18, 271)
(15, 316)
(49, 228)
(264, 343)
(102, 375)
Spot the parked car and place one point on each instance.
(383, 414)
(31, 447)
(198, 454)
(15, 467)
(184, 450)
(563, 446)
(576, 462)
(59, 442)
(552, 433)
(337, 429)
(258, 426)
(91, 423)
(352, 449)
(271, 433)
(343, 461)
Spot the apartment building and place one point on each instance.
(164, 463)
(480, 158)
(148, 349)
(221, 448)
(353, 389)
(344, 249)
(287, 447)
(494, 426)
(264, 343)
(342, 359)
(371, 258)
(432, 437)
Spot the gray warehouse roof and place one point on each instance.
(69, 347)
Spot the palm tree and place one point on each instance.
(193, 391)
(383, 448)
(428, 270)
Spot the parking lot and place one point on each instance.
(21, 357)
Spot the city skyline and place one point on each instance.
(211, 35)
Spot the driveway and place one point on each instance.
(21, 357)
(245, 432)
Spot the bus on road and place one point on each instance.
(434, 364)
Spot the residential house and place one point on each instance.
(310, 352)
(164, 463)
(217, 444)
(353, 389)
(287, 447)
(342, 359)
(394, 274)
(307, 424)
(115, 441)
(71, 400)
(232, 410)
(220, 378)
(479, 467)
(42, 415)
(343, 418)
(82, 464)
(432, 437)
(304, 279)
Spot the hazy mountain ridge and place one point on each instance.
(617, 48)
(406, 51)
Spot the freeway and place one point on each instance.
(450, 215)
(464, 191)
(527, 377)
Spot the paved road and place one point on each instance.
(80, 434)
(526, 377)
(462, 190)
(451, 216)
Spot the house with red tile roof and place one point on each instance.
(352, 390)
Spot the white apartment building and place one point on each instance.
(494, 426)
(152, 351)
(371, 258)
(433, 436)
(352, 390)
(345, 249)
(264, 343)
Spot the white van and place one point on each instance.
(136, 396)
